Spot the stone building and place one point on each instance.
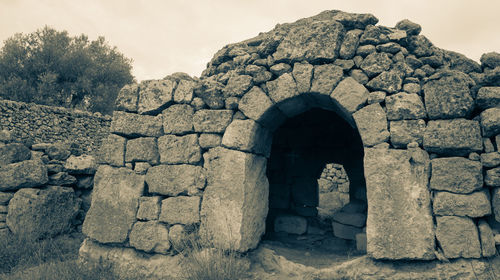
(416, 129)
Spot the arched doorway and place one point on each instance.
(317, 192)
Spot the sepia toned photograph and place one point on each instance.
(249, 139)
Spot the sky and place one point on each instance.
(163, 37)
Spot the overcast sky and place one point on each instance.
(169, 36)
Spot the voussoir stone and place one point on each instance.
(456, 174)
(173, 180)
(490, 122)
(388, 81)
(404, 106)
(453, 137)
(183, 210)
(302, 73)
(406, 131)
(325, 78)
(256, 105)
(488, 97)
(41, 213)
(234, 206)
(24, 174)
(350, 94)
(14, 152)
(283, 91)
(248, 136)
(474, 205)
(142, 149)
(178, 119)
(318, 40)
(108, 221)
(458, 237)
(398, 203)
(127, 98)
(448, 96)
(372, 124)
(133, 125)
(212, 121)
(150, 236)
(179, 149)
(155, 95)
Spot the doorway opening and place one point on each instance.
(317, 193)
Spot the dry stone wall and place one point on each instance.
(45, 190)
(33, 124)
(191, 153)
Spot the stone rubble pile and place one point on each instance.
(45, 189)
(197, 148)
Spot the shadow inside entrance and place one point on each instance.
(317, 193)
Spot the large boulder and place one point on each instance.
(448, 96)
(456, 174)
(40, 213)
(319, 40)
(14, 152)
(173, 180)
(453, 137)
(115, 201)
(24, 174)
(398, 204)
(235, 205)
(458, 237)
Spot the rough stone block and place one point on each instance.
(237, 85)
(41, 213)
(350, 44)
(458, 237)
(112, 150)
(283, 91)
(84, 164)
(209, 140)
(149, 208)
(351, 219)
(178, 236)
(179, 149)
(490, 122)
(127, 98)
(155, 95)
(361, 242)
(474, 205)
(457, 137)
(133, 125)
(487, 239)
(372, 124)
(490, 159)
(5, 197)
(492, 177)
(13, 152)
(488, 97)
(180, 210)
(448, 96)
(61, 179)
(398, 204)
(142, 149)
(406, 131)
(404, 106)
(376, 63)
(178, 119)
(150, 237)
(495, 203)
(257, 106)
(24, 174)
(325, 78)
(302, 73)
(350, 94)
(290, 224)
(345, 231)
(173, 180)
(319, 40)
(108, 221)
(248, 136)
(388, 81)
(212, 121)
(184, 91)
(456, 174)
(235, 205)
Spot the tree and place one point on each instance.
(49, 67)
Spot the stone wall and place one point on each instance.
(191, 153)
(45, 190)
(33, 123)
